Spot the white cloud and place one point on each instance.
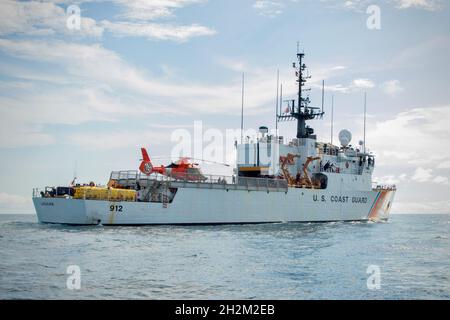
(118, 139)
(420, 4)
(444, 165)
(422, 175)
(99, 86)
(391, 179)
(441, 180)
(361, 5)
(233, 64)
(35, 18)
(150, 10)
(363, 83)
(354, 86)
(157, 30)
(41, 19)
(269, 8)
(391, 87)
(11, 203)
(415, 137)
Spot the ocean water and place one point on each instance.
(270, 261)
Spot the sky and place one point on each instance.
(81, 91)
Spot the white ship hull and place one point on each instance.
(215, 206)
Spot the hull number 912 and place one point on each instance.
(115, 208)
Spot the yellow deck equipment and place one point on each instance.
(110, 194)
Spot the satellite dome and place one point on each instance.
(345, 137)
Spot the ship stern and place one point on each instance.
(62, 211)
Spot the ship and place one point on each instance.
(274, 181)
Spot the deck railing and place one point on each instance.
(378, 187)
(189, 180)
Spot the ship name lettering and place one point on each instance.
(359, 199)
(316, 198)
(343, 199)
(47, 204)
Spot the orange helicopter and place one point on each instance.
(182, 169)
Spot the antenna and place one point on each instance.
(301, 111)
(74, 174)
(323, 93)
(281, 99)
(365, 108)
(242, 110)
(332, 115)
(277, 103)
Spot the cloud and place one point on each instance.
(391, 87)
(422, 175)
(361, 5)
(363, 83)
(444, 165)
(157, 30)
(391, 179)
(431, 5)
(268, 8)
(354, 86)
(417, 137)
(151, 10)
(418, 54)
(34, 18)
(233, 64)
(117, 139)
(441, 180)
(41, 19)
(99, 86)
(11, 203)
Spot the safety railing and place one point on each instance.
(379, 187)
(192, 180)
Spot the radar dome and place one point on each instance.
(345, 137)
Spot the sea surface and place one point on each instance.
(407, 258)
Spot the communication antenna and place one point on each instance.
(242, 110)
(74, 173)
(365, 108)
(281, 98)
(332, 115)
(323, 93)
(277, 103)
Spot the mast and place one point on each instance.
(365, 107)
(301, 111)
(276, 113)
(323, 93)
(332, 116)
(281, 99)
(242, 110)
